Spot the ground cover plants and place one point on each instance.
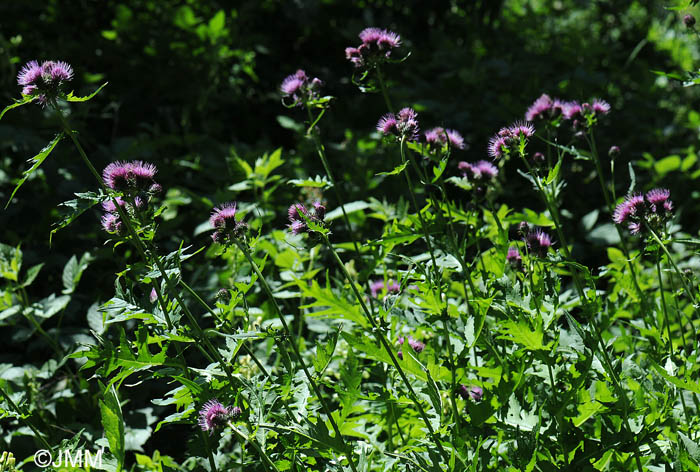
(401, 293)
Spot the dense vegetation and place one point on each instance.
(350, 236)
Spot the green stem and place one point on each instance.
(23, 417)
(297, 354)
(688, 290)
(267, 462)
(320, 149)
(610, 205)
(382, 85)
(385, 344)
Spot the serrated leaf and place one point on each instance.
(37, 161)
(397, 170)
(18, 103)
(75, 208)
(72, 98)
(691, 387)
(335, 306)
(73, 271)
(113, 424)
(317, 182)
(522, 334)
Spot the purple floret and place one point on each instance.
(213, 415)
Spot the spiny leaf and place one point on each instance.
(76, 207)
(37, 161)
(72, 98)
(19, 103)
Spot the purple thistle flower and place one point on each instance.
(514, 258)
(416, 345)
(689, 21)
(213, 415)
(153, 296)
(387, 124)
(44, 80)
(293, 83)
(480, 170)
(110, 207)
(354, 55)
(622, 212)
(29, 74)
(637, 205)
(56, 72)
(475, 393)
(141, 174)
(486, 169)
(111, 223)
(614, 151)
(440, 137)
(538, 242)
(382, 39)
(572, 110)
(135, 175)
(600, 107)
(223, 220)
(298, 215)
(659, 200)
(300, 88)
(498, 146)
(520, 129)
(115, 175)
(403, 124)
(298, 227)
(296, 211)
(319, 211)
(635, 228)
(377, 286)
(540, 109)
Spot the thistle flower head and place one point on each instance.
(403, 124)
(659, 201)
(538, 242)
(514, 258)
(213, 415)
(480, 170)
(474, 393)
(44, 80)
(377, 286)
(112, 223)
(416, 345)
(377, 45)
(299, 216)
(689, 21)
(542, 109)
(614, 151)
(226, 226)
(29, 74)
(521, 129)
(600, 107)
(300, 88)
(638, 211)
(498, 146)
(132, 176)
(572, 110)
(438, 138)
(387, 124)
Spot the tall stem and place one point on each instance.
(24, 418)
(385, 344)
(321, 150)
(297, 354)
